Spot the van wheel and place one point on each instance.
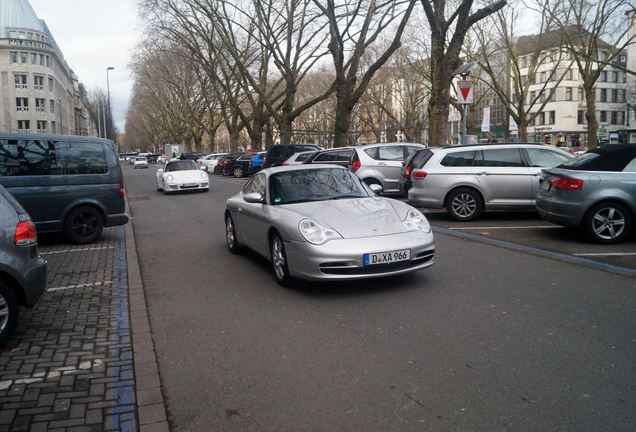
(83, 225)
(464, 205)
(9, 310)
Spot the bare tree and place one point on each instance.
(448, 31)
(354, 26)
(514, 66)
(596, 33)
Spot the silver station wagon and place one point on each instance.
(466, 180)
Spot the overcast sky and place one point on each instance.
(95, 34)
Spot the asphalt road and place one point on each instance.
(487, 339)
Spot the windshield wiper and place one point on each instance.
(346, 197)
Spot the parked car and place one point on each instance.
(379, 164)
(140, 162)
(323, 223)
(467, 180)
(193, 156)
(256, 163)
(209, 162)
(595, 192)
(22, 269)
(576, 150)
(180, 175)
(278, 154)
(79, 176)
(299, 158)
(417, 159)
(224, 162)
(238, 167)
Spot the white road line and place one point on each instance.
(76, 250)
(607, 254)
(91, 285)
(506, 227)
(55, 373)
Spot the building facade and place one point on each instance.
(39, 92)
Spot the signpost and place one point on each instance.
(465, 93)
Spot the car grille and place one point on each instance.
(345, 268)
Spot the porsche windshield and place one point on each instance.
(183, 165)
(322, 184)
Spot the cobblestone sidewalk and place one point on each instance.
(69, 365)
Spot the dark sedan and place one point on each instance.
(224, 162)
(595, 192)
(240, 166)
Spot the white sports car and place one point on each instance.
(179, 175)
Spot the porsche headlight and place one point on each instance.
(170, 178)
(204, 176)
(416, 221)
(315, 233)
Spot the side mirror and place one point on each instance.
(254, 198)
(376, 188)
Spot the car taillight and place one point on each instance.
(566, 183)
(419, 174)
(407, 170)
(285, 164)
(25, 233)
(355, 165)
(122, 190)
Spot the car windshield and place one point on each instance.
(183, 165)
(323, 184)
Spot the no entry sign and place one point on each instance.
(465, 93)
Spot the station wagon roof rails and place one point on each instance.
(494, 144)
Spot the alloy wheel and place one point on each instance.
(4, 313)
(278, 256)
(85, 224)
(464, 205)
(229, 232)
(608, 223)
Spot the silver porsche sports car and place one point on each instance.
(320, 222)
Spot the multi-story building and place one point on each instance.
(562, 119)
(39, 92)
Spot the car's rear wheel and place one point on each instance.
(279, 262)
(238, 172)
(83, 225)
(608, 222)
(9, 310)
(230, 235)
(464, 205)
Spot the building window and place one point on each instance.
(568, 93)
(41, 59)
(622, 59)
(570, 74)
(543, 76)
(48, 61)
(533, 95)
(40, 105)
(24, 57)
(552, 117)
(52, 106)
(51, 84)
(20, 81)
(615, 76)
(14, 57)
(614, 95)
(53, 127)
(542, 96)
(603, 118)
(603, 77)
(34, 58)
(580, 117)
(581, 94)
(623, 95)
(603, 95)
(38, 82)
(22, 104)
(41, 126)
(540, 120)
(24, 126)
(613, 117)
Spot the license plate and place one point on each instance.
(387, 257)
(189, 185)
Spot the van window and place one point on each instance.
(387, 153)
(278, 151)
(543, 158)
(500, 158)
(32, 158)
(458, 159)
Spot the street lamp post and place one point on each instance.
(110, 114)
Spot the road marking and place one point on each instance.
(91, 285)
(76, 250)
(607, 254)
(506, 227)
(55, 373)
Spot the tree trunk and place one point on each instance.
(343, 113)
(522, 130)
(590, 116)
(439, 104)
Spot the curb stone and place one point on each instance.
(149, 396)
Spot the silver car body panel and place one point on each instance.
(387, 172)
(367, 225)
(501, 187)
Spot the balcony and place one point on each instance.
(39, 87)
(21, 86)
(22, 108)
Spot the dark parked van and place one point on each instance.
(71, 184)
(278, 154)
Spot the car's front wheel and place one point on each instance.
(83, 225)
(464, 205)
(238, 172)
(279, 262)
(608, 222)
(230, 235)
(9, 310)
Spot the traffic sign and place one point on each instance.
(465, 94)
